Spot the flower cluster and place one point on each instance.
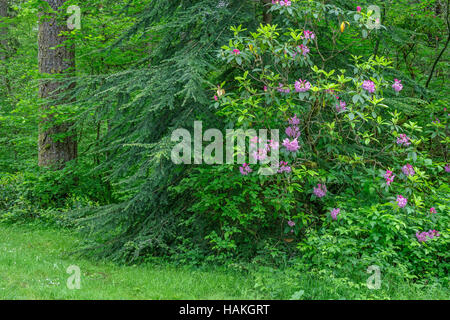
(369, 86)
(293, 132)
(433, 210)
(320, 191)
(402, 139)
(447, 168)
(283, 89)
(282, 3)
(261, 153)
(236, 51)
(284, 167)
(397, 86)
(308, 35)
(292, 146)
(302, 85)
(401, 201)
(423, 236)
(245, 169)
(341, 106)
(408, 170)
(334, 213)
(389, 176)
(303, 49)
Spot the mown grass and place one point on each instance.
(34, 260)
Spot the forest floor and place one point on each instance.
(34, 262)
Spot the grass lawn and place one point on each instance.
(33, 264)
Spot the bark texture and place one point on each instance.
(56, 145)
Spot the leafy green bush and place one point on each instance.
(359, 182)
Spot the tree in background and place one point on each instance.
(57, 144)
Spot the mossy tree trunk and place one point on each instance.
(57, 143)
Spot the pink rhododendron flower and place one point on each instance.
(397, 86)
(236, 51)
(401, 201)
(320, 191)
(284, 167)
(308, 35)
(334, 213)
(369, 86)
(402, 139)
(261, 154)
(245, 169)
(291, 145)
(433, 210)
(283, 89)
(302, 85)
(408, 170)
(341, 106)
(423, 236)
(293, 132)
(389, 176)
(273, 145)
(294, 120)
(358, 8)
(303, 49)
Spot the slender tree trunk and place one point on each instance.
(3, 29)
(57, 144)
(443, 49)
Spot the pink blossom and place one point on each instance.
(291, 223)
(216, 98)
(342, 106)
(389, 176)
(433, 210)
(358, 8)
(273, 145)
(320, 191)
(303, 49)
(265, 88)
(334, 213)
(261, 154)
(283, 89)
(369, 86)
(308, 35)
(402, 139)
(422, 236)
(284, 167)
(447, 168)
(245, 169)
(293, 132)
(294, 120)
(236, 51)
(302, 85)
(291, 145)
(397, 86)
(408, 170)
(401, 201)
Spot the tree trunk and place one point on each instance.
(3, 29)
(57, 144)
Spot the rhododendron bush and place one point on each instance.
(357, 183)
